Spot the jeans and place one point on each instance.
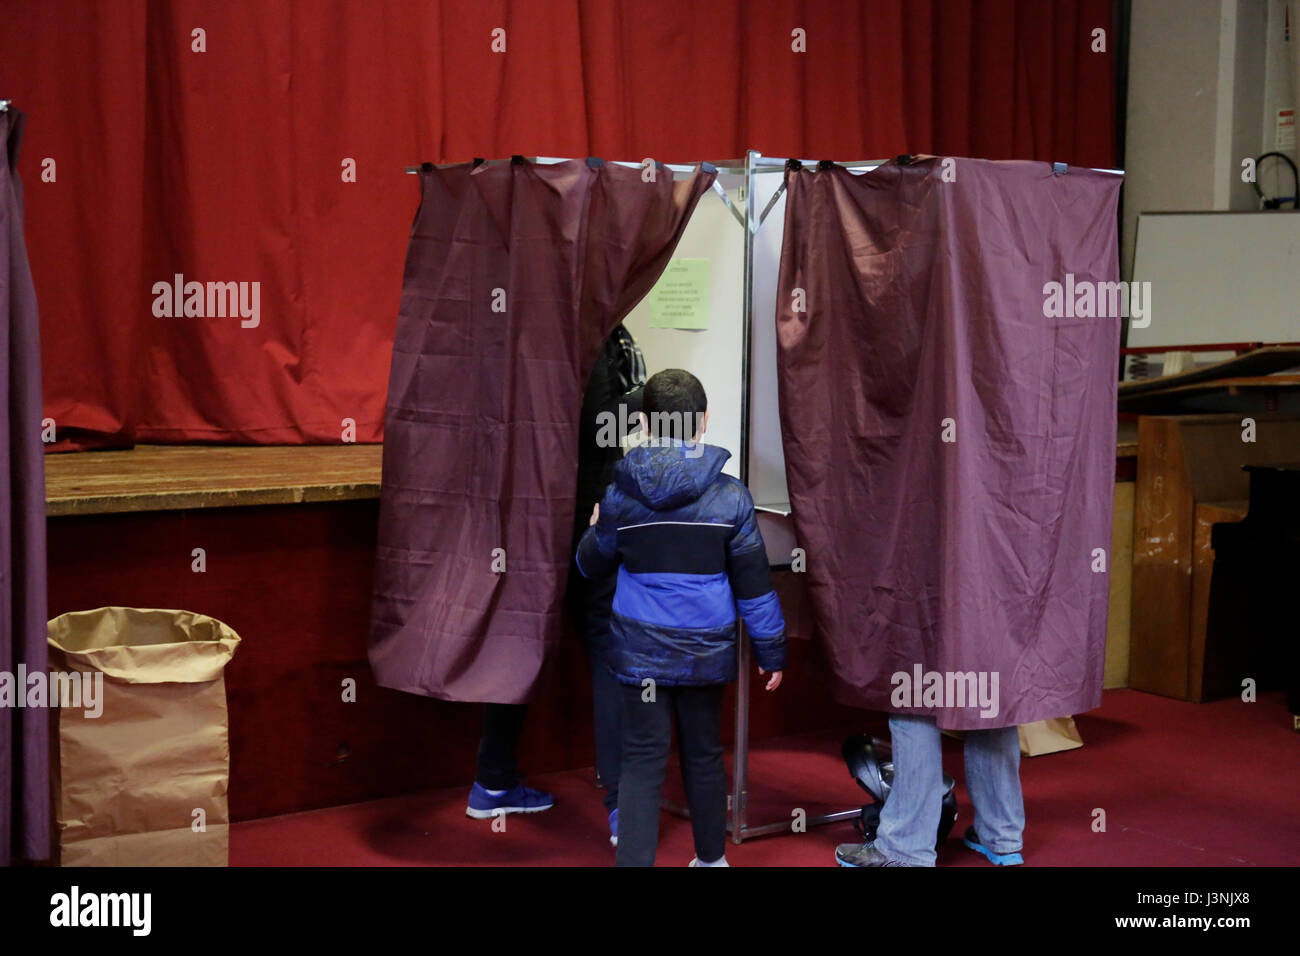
(909, 821)
(647, 736)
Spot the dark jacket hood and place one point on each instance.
(669, 476)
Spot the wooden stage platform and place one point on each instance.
(170, 477)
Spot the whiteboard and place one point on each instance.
(712, 355)
(1219, 277)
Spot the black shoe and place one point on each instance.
(863, 854)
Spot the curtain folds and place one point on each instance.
(270, 151)
(515, 275)
(24, 733)
(949, 443)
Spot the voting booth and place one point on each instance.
(713, 309)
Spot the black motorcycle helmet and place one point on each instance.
(869, 765)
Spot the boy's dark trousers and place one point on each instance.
(647, 736)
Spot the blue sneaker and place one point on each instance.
(613, 827)
(518, 799)
(997, 859)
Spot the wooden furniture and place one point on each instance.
(1205, 680)
(1118, 617)
(1251, 628)
(1189, 478)
(171, 477)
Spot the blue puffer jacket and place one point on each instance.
(686, 544)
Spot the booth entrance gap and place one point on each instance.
(761, 464)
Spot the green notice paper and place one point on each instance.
(680, 299)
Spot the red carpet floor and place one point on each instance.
(1181, 785)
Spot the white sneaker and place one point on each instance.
(721, 862)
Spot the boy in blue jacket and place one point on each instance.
(686, 544)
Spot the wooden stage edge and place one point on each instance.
(176, 477)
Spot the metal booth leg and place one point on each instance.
(740, 747)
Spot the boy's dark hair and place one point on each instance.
(674, 404)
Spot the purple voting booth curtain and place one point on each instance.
(24, 734)
(515, 275)
(949, 444)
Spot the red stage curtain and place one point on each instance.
(226, 165)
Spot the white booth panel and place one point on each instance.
(712, 355)
(766, 458)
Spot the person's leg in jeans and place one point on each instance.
(993, 782)
(699, 748)
(909, 820)
(647, 737)
(498, 747)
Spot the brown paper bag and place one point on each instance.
(131, 782)
(1041, 736)
(1049, 736)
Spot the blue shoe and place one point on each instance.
(997, 859)
(518, 799)
(613, 827)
